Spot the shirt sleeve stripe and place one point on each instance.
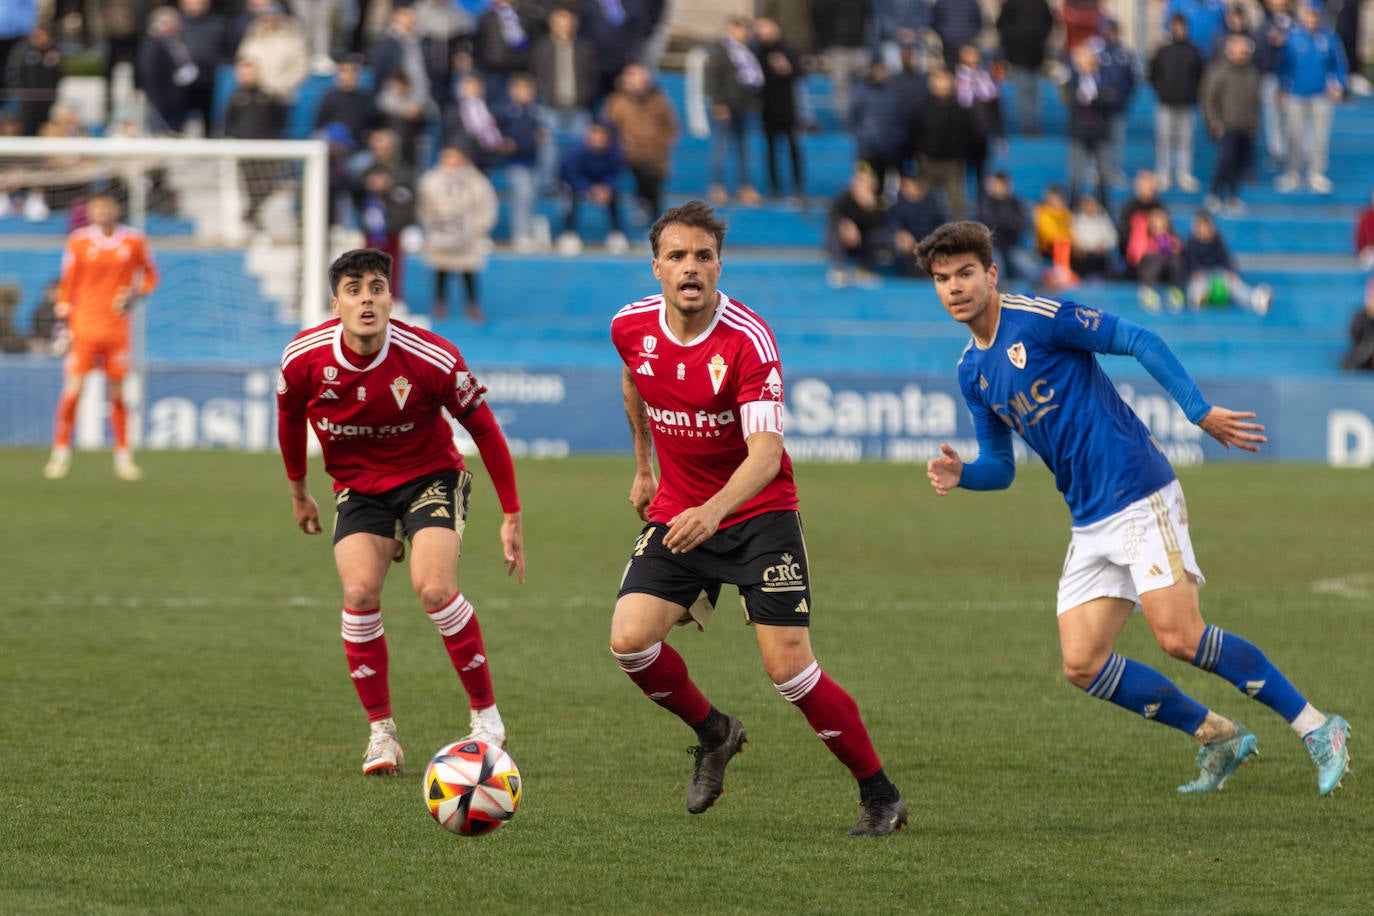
(754, 329)
(305, 344)
(418, 345)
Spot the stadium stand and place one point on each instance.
(1299, 244)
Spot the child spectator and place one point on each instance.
(1156, 252)
(1212, 275)
(1094, 239)
(1053, 222)
(591, 171)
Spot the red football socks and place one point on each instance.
(662, 674)
(365, 649)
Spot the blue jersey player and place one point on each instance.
(1031, 369)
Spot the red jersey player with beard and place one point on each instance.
(375, 391)
(703, 389)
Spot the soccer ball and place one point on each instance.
(472, 787)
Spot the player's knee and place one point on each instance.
(361, 595)
(434, 595)
(1177, 643)
(1080, 672)
(627, 640)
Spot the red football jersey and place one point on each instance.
(379, 425)
(703, 401)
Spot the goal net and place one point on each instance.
(239, 231)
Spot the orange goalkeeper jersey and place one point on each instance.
(96, 269)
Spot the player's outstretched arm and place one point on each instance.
(304, 507)
(645, 484)
(1229, 428)
(513, 545)
(945, 472)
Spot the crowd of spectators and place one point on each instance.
(558, 99)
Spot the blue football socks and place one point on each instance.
(1240, 662)
(1145, 691)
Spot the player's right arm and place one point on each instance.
(292, 395)
(995, 466)
(645, 485)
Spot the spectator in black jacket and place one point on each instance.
(617, 29)
(1005, 214)
(782, 69)
(943, 130)
(254, 114)
(32, 72)
(874, 120)
(915, 214)
(1175, 74)
(841, 30)
(164, 70)
(1024, 27)
(206, 34)
(505, 36)
(856, 232)
(1361, 352)
(348, 103)
(958, 23)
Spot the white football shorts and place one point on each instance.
(1143, 547)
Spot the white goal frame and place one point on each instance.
(145, 152)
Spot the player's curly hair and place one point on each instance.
(357, 262)
(694, 213)
(951, 239)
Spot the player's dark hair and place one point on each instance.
(694, 213)
(357, 262)
(953, 239)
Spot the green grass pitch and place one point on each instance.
(179, 734)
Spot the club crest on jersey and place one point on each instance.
(281, 383)
(717, 369)
(1017, 354)
(772, 386)
(681, 371)
(400, 390)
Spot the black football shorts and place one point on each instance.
(433, 501)
(764, 557)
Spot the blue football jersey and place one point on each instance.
(1041, 379)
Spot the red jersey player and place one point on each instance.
(375, 391)
(105, 269)
(703, 388)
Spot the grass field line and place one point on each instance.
(1356, 587)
